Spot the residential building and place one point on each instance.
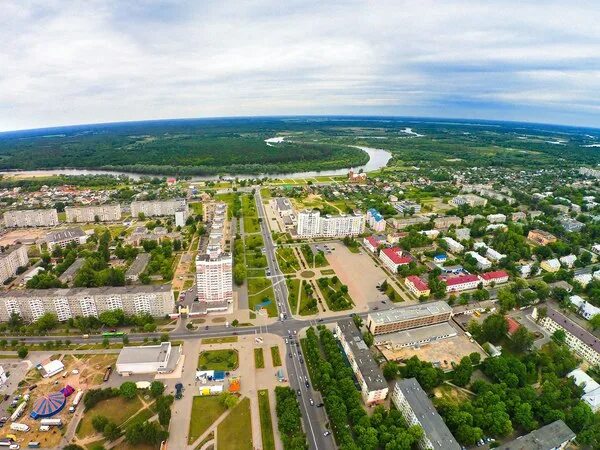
(594, 173)
(375, 220)
(579, 340)
(408, 317)
(571, 225)
(181, 216)
(554, 436)
(496, 218)
(27, 276)
(373, 242)
(357, 177)
(431, 234)
(497, 277)
(417, 286)
(468, 199)
(312, 224)
(454, 246)
(408, 207)
(490, 253)
(373, 387)
(461, 283)
(96, 213)
(31, 304)
(550, 265)
(31, 218)
(496, 226)
(62, 238)
(155, 208)
(568, 261)
(482, 262)
(137, 267)
(585, 309)
(148, 359)
(541, 237)
(468, 220)
(69, 275)
(214, 281)
(518, 216)
(583, 279)
(11, 259)
(394, 257)
(417, 409)
(591, 389)
(463, 234)
(400, 224)
(440, 258)
(446, 222)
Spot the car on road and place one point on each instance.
(320, 320)
(311, 401)
(326, 433)
(290, 355)
(298, 392)
(206, 327)
(307, 385)
(295, 332)
(286, 340)
(301, 360)
(320, 405)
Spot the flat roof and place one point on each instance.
(144, 354)
(547, 437)
(72, 269)
(60, 235)
(105, 290)
(416, 335)
(138, 265)
(432, 423)
(574, 329)
(283, 204)
(409, 312)
(369, 369)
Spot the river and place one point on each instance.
(378, 158)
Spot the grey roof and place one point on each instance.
(417, 335)
(432, 423)
(369, 369)
(105, 290)
(138, 265)
(61, 235)
(8, 250)
(283, 204)
(410, 312)
(72, 269)
(144, 354)
(574, 329)
(548, 437)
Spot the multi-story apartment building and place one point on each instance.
(409, 317)
(62, 238)
(496, 218)
(394, 257)
(99, 213)
(312, 224)
(31, 304)
(541, 237)
(375, 220)
(446, 222)
(453, 245)
(153, 208)
(400, 224)
(579, 340)
(11, 259)
(407, 206)
(373, 387)
(417, 409)
(468, 199)
(461, 283)
(214, 274)
(31, 218)
(554, 436)
(496, 277)
(482, 263)
(181, 216)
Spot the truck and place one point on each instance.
(9, 443)
(281, 317)
(33, 444)
(16, 426)
(18, 412)
(51, 422)
(76, 401)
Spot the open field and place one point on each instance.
(288, 263)
(235, 432)
(261, 290)
(220, 340)
(275, 356)
(266, 424)
(259, 358)
(205, 410)
(118, 409)
(218, 360)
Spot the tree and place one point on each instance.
(128, 390)
(522, 340)
(507, 299)
(494, 328)
(99, 422)
(462, 372)
(595, 322)
(46, 322)
(111, 431)
(22, 352)
(73, 447)
(559, 336)
(368, 338)
(156, 389)
(390, 370)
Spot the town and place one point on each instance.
(459, 308)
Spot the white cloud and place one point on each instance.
(86, 61)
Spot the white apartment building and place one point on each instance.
(181, 216)
(31, 304)
(214, 281)
(482, 263)
(153, 208)
(496, 218)
(10, 260)
(312, 224)
(468, 199)
(62, 238)
(31, 218)
(579, 340)
(373, 387)
(454, 246)
(102, 213)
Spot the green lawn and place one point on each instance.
(259, 358)
(235, 432)
(342, 304)
(196, 208)
(220, 340)
(308, 304)
(205, 410)
(218, 360)
(276, 356)
(288, 263)
(266, 424)
(117, 409)
(293, 285)
(260, 289)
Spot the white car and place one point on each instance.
(311, 401)
(326, 433)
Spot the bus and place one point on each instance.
(111, 334)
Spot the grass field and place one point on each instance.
(259, 358)
(308, 304)
(220, 340)
(117, 409)
(275, 356)
(235, 432)
(340, 305)
(205, 410)
(266, 424)
(293, 285)
(260, 289)
(218, 360)
(288, 263)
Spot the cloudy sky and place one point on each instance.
(65, 62)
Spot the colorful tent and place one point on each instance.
(48, 405)
(67, 390)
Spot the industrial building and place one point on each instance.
(311, 224)
(373, 387)
(95, 213)
(148, 359)
(31, 218)
(408, 317)
(417, 409)
(468, 199)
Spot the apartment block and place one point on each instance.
(461, 283)
(31, 304)
(312, 224)
(417, 286)
(482, 263)
(454, 246)
(373, 387)
(446, 222)
(541, 237)
(408, 317)
(375, 220)
(554, 436)
(100, 213)
(394, 257)
(468, 199)
(11, 259)
(31, 218)
(214, 281)
(407, 206)
(154, 208)
(417, 409)
(62, 238)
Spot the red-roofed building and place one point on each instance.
(513, 325)
(394, 257)
(498, 277)
(171, 181)
(461, 283)
(417, 286)
(373, 243)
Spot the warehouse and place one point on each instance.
(160, 358)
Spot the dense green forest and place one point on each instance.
(232, 146)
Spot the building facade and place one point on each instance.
(375, 220)
(62, 238)
(100, 213)
(311, 224)
(154, 208)
(214, 275)
(393, 258)
(417, 286)
(541, 237)
(31, 218)
(414, 316)
(11, 259)
(31, 304)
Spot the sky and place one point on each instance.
(76, 62)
